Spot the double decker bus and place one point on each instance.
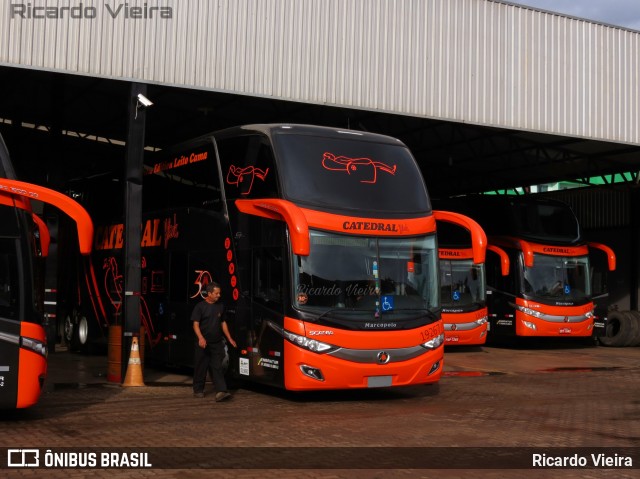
(463, 289)
(24, 242)
(548, 289)
(324, 242)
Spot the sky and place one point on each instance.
(622, 13)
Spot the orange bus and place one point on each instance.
(463, 291)
(324, 242)
(24, 240)
(548, 289)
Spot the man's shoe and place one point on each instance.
(198, 395)
(221, 396)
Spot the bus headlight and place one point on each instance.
(312, 345)
(434, 343)
(481, 321)
(34, 345)
(530, 312)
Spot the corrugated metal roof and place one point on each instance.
(472, 61)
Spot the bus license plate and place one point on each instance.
(378, 381)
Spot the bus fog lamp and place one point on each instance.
(313, 373)
(530, 325)
(434, 368)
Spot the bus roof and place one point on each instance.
(539, 220)
(270, 129)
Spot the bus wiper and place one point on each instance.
(349, 312)
(331, 311)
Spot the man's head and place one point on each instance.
(213, 292)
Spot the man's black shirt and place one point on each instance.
(210, 317)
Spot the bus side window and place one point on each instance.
(248, 167)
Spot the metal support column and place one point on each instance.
(634, 253)
(134, 165)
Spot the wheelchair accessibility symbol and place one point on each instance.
(387, 303)
(456, 295)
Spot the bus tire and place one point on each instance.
(83, 334)
(77, 331)
(69, 329)
(619, 329)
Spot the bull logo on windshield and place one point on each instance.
(351, 166)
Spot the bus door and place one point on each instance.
(504, 267)
(500, 290)
(260, 347)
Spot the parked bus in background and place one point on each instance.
(24, 241)
(324, 242)
(548, 289)
(463, 291)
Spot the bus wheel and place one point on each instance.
(68, 329)
(83, 332)
(76, 330)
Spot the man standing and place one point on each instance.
(210, 326)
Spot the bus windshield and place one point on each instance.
(341, 272)
(347, 173)
(557, 278)
(462, 285)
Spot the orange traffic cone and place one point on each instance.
(134, 368)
